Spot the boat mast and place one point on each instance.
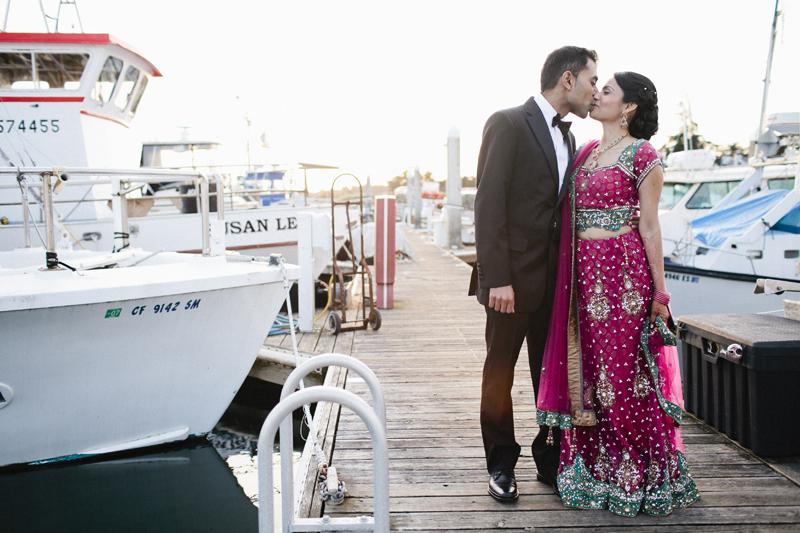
(45, 15)
(769, 69)
(687, 117)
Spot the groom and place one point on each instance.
(525, 155)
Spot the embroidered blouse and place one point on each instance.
(607, 196)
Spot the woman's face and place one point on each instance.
(608, 104)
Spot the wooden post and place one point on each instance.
(385, 250)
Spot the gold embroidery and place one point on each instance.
(628, 475)
(605, 391)
(641, 387)
(602, 465)
(632, 301)
(598, 304)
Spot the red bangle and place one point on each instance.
(661, 296)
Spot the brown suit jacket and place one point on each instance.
(518, 207)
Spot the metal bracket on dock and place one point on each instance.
(380, 457)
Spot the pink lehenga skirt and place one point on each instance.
(632, 460)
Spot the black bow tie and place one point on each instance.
(563, 126)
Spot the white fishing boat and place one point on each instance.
(105, 352)
(70, 100)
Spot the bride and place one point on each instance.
(610, 377)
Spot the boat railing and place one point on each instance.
(123, 182)
(232, 174)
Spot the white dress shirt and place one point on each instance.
(560, 143)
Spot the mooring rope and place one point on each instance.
(310, 421)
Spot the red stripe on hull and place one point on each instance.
(248, 247)
(41, 98)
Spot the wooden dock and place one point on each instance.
(428, 356)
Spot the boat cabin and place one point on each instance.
(68, 99)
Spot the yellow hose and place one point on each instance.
(328, 303)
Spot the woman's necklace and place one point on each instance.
(596, 153)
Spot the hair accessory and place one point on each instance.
(661, 296)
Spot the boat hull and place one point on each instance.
(696, 291)
(104, 376)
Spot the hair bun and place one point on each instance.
(648, 96)
(641, 91)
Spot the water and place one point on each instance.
(206, 484)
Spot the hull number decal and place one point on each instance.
(10, 125)
(113, 313)
(161, 308)
(682, 277)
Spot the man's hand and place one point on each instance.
(502, 299)
(634, 221)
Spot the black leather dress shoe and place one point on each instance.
(550, 481)
(503, 486)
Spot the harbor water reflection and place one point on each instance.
(204, 484)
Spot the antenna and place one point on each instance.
(58, 14)
(769, 68)
(46, 17)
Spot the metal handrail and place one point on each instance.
(289, 386)
(379, 522)
(121, 182)
(345, 361)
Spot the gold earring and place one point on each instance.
(624, 121)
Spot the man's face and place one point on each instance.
(582, 96)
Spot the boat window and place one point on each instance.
(104, 86)
(15, 68)
(709, 194)
(672, 193)
(137, 96)
(61, 71)
(126, 90)
(53, 71)
(781, 183)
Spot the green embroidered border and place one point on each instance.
(551, 419)
(626, 158)
(674, 411)
(581, 490)
(612, 218)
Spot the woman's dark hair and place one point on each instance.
(640, 90)
(566, 58)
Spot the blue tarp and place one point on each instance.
(714, 228)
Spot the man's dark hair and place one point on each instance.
(566, 58)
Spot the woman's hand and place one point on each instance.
(658, 309)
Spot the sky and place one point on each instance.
(374, 87)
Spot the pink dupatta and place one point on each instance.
(559, 371)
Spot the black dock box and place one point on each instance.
(751, 394)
